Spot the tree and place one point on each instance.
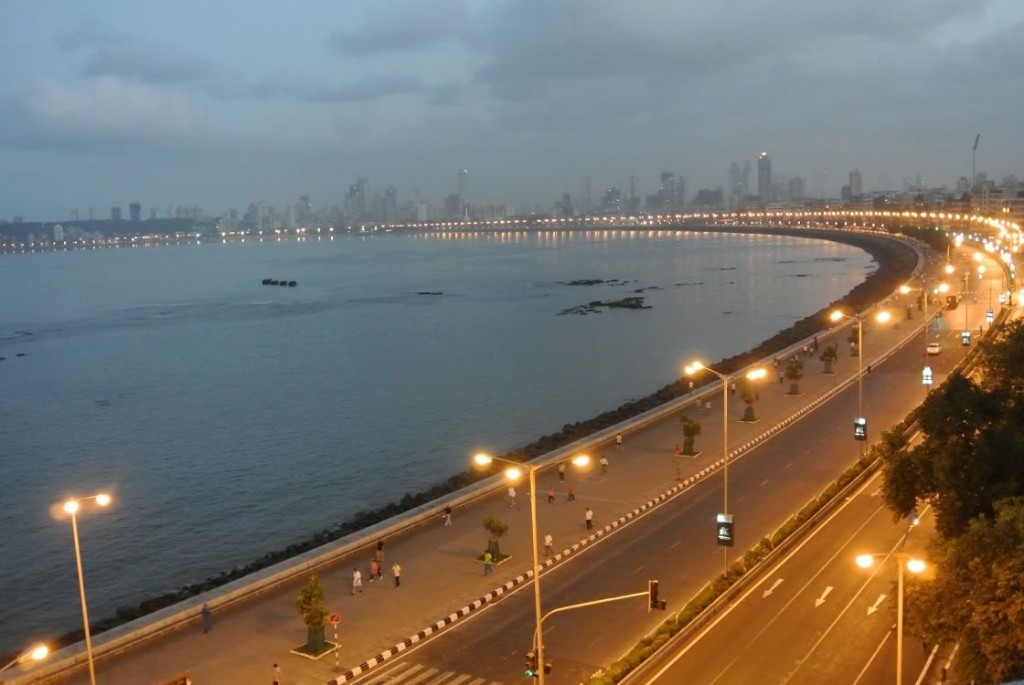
(311, 605)
(1002, 356)
(794, 372)
(691, 429)
(829, 356)
(496, 529)
(749, 395)
(977, 595)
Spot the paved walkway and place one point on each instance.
(440, 578)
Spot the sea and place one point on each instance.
(229, 418)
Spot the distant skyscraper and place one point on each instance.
(764, 177)
(745, 179)
(795, 188)
(135, 211)
(585, 205)
(463, 187)
(856, 185)
(115, 213)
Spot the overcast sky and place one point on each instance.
(221, 103)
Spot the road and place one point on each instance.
(676, 546)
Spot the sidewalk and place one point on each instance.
(441, 581)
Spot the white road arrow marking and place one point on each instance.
(770, 590)
(821, 600)
(874, 607)
(876, 493)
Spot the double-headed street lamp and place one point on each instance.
(692, 369)
(939, 289)
(514, 472)
(880, 317)
(71, 506)
(36, 652)
(912, 564)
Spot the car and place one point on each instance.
(934, 347)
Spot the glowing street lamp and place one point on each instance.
(513, 472)
(71, 506)
(36, 652)
(915, 566)
(880, 317)
(694, 368)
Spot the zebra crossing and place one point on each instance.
(418, 674)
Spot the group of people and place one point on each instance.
(376, 570)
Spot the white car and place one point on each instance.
(934, 347)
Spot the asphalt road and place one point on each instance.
(676, 544)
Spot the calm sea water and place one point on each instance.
(230, 419)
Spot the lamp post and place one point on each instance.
(36, 652)
(941, 288)
(513, 473)
(694, 368)
(881, 317)
(71, 506)
(911, 564)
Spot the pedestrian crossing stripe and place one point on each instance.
(418, 674)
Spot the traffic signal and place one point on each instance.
(531, 664)
(860, 428)
(652, 592)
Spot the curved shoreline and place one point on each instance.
(896, 261)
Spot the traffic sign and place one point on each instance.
(926, 375)
(334, 619)
(990, 316)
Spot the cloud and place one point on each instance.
(110, 54)
(395, 27)
(360, 91)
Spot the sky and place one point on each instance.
(220, 104)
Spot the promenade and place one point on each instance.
(441, 579)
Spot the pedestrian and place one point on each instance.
(570, 492)
(561, 471)
(604, 465)
(380, 550)
(357, 581)
(549, 545)
(512, 503)
(488, 563)
(396, 570)
(207, 615)
(588, 516)
(782, 378)
(732, 388)
(551, 494)
(618, 441)
(691, 386)
(278, 676)
(447, 516)
(869, 369)
(374, 569)
(776, 362)
(707, 405)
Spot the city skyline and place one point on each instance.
(111, 104)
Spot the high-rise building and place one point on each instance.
(795, 188)
(135, 211)
(463, 187)
(115, 213)
(585, 205)
(764, 177)
(745, 179)
(856, 185)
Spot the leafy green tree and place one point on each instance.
(829, 356)
(691, 429)
(496, 529)
(794, 372)
(312, 606)
(1002, 357)
(976, 596)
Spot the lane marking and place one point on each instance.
(874, 607)
(821, 600)
(778, 582)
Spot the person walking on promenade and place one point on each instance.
(618, 441)
(207, 615)
(278, 676)
(447, 516)
(604, 464)
(357, 580)
(549, 545)
(561, 471)
(512, 503)
(551, 494)
(488, 563)
(570, 492)
(380, 550)
(396, 571)
(375, 571)
(732, 388)
(691, 386)
(588, 516)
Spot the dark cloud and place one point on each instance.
(363, 90)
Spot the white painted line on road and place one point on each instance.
(821, 600)
(764, 482)
(871, 658)
(636, 570)
(675, 544)
(778, 582)
(876, 493)
(874, 607)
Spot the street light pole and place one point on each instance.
(915, 566)
(71, 506)
(538, 616)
